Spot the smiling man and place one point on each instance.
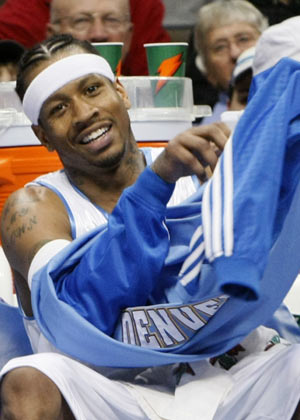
(98, 248)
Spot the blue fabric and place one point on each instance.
(257, 275)
(285, 324)
(266, 169)
(235, 319)
(133, 246)
(246, 201)
(13, 337)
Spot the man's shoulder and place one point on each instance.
(50, 177)
(26, 197)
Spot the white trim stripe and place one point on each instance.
(206, 219)
(194, 256)
(228, 221)
(196, 236)
(217, 212)
(192, 275)
(217, 220)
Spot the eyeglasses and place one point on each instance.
(84, 21)
(240, 41)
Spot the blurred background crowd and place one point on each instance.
(210, 63)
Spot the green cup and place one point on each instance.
(112, 52)
(167, 60)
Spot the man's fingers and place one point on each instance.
(222, 135)
(192, 152)
(189, 145)
(216, 133)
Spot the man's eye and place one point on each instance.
(57, 109)
(244, 38)
(111, 20)
(220, 48)
(80, 20)
(92, 89)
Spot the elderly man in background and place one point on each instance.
(26, 22)
(95, 21)
(224, 29)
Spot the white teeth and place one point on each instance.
(95, 135)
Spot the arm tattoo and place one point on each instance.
(8, 207)
(17, 220)
(24, 227)
(19, 213)
(12, 202)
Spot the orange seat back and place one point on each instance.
(19, 165)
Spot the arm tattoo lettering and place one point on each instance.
(16, 214)
(12, 202)
(22, 229)
(8, 207)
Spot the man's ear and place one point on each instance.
(122, 92)
(41, 135)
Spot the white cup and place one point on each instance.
(231, 118)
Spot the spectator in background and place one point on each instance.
(92, 20)
(224, 29)
(10, 54)
(26, 22)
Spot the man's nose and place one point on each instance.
(97, 31)
(235, 50)
(83, 112)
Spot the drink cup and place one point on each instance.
(167, 61)
(231, 118)
(112, 52)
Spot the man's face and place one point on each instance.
(222, 47)
(86, 122)
(93, 20)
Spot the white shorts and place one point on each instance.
(90, 396)
(264, 385)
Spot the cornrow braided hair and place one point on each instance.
(45, 51)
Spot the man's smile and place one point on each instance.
(96, 135)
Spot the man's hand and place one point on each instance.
(191, 152)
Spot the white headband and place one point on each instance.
(58, 75)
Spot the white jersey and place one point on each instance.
(83, 214)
